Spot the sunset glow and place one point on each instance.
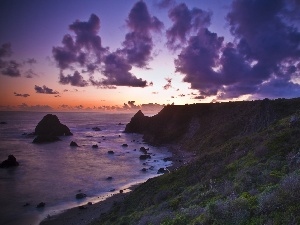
(120, 55)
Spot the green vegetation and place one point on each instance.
(251, 177)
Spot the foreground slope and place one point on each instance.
(247, 170)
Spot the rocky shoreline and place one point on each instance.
(90, 212)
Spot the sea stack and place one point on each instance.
(49, 128)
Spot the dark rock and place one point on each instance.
(3, 122)
(95, 146)
(137, 123)
(144, 150)
(80, 195)
(124, 145)
(74, 144)
(111, 152)
(45, 138)
(90, 203)
(121, 191)
(41, 205)
(109, 178)
(144, 157)
(11, 161)
(112, 190)
(120, 124)
(50, 125)
(82, 207)
(144, 169)
(96, 129)
(161, 170)
(167, 159)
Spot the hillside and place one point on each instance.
(247, 170)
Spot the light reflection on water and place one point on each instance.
(54, 173)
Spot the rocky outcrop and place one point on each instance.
(44, 139)
(50, 125)
(74, 144)
(138, 123)
(11, 161)
(180, 123)
(49, 128)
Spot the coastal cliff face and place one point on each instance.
(246, 169)
(210, 123)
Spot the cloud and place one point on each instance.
(26, 107)
(44, 90)
(13, 68)
(262, 59)
(10, 68)
(30, 73)
(138, 44)
(30, 61)
(117, 72)
(21, 95)
(75, 80)
(5, 50)
(85, 49)
(184, 22)
(169, 83)
(165, 4)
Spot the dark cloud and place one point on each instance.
(184, 22)
(75, 80)
(44, 90)
(84, 49)
(11, 68)
(262, 59)
(21, 95)
(30, 74)
(138, 44)
(169, 83)
(5, 50)
(30, 61)
(117, 72)
(162, 4)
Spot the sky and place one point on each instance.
(103, 55)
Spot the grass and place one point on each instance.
(247, 178)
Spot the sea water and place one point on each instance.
(55, 172)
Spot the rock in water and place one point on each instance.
(11, 161)
(74, 144)
(144, 157)
(50, 125)
(80, 196)
(45, 138)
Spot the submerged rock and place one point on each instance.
(144, 157)
(41, 205)
(161, 170)
(111, 152)
(124, 145)
(96, 129)
(11, 161)
(109, 178)
(74, 144)
(94, 146)
(80, 195)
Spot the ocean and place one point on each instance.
(55, 172)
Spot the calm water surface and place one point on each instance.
(54, 173)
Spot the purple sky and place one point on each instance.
(122, 54)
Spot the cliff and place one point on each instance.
(247, 169)
(210, 123)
